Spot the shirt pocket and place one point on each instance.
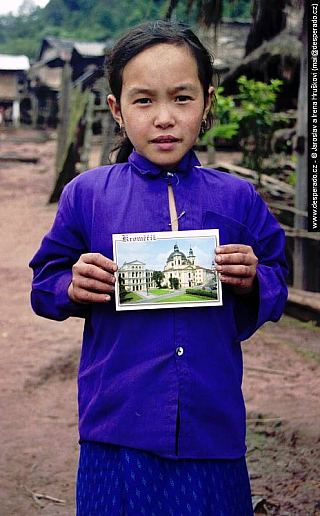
(231, 231)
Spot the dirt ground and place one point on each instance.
(38, 401)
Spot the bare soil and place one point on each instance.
(38, 402)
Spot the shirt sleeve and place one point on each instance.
(268, 301)
(52, 266)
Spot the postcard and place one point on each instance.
(171, 269)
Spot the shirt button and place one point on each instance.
(179, 351)
(169, 174)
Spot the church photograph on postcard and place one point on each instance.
(166, 270)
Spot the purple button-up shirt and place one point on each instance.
(136, 365)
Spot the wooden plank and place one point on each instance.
(284, 207)
(18, 157)
(301, 233)
(253, 177)
(303, 305)
(304, 298)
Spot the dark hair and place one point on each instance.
(147, 35)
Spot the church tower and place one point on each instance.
(191, 257)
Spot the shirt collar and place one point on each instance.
(146, 167)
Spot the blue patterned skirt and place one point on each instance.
(119, 481)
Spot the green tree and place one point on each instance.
(122, 289)
(227, 121)
(86, 20)
(256, 119)
(174, 283)
(158, 277)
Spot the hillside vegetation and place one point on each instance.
(88, 20)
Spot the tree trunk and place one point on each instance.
(268, 19)
(172, 5)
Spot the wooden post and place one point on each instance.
(35, 110)
(67, 161)
(64, 114)
(87, 133)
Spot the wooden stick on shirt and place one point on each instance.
(173, 210)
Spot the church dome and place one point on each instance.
(175, 253)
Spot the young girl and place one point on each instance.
(162, 418)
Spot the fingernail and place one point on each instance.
(218, 249)
(107, 298)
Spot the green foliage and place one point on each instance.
(249, 117)
(256, 119)
(292, 179)
(202, 293)
(174, 283)
(85, 20)
(122, 289)
(91, 20)
(227, 125)
(158, 277)
(241, 9)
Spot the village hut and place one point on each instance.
(12, 84)
(45, 74)
(278, 58)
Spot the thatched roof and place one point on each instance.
(278, 58)
(54, 47)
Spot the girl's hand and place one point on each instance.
(92, 279)
(237, 267)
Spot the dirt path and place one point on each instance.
(38, 365)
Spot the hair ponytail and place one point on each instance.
(123, 148)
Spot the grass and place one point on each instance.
(286, 320)
(305, 353)
(159, 291)
(184, 297)
(130, 297)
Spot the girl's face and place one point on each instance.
(162, 103)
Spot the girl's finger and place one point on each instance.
(237, 281)
(236, 270)
(93, 271)
(233, 248)
(100, 261)
(87, 297)
(93, 285)
(236, 258)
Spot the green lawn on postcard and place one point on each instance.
(184, 297)
(159, 291)
(130, 297)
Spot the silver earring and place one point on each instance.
(203, 127)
